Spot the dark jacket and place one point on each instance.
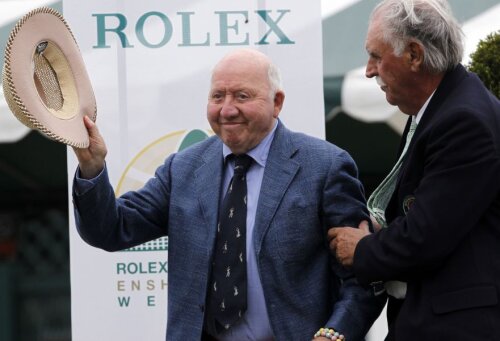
(444, 221)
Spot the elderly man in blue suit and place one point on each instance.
(439, 256)
(296, 187)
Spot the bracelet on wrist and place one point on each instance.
(329, 333)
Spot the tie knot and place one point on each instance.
(242, 163)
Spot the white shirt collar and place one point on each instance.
(420, 113)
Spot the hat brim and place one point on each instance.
(45, 81)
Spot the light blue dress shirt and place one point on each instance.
(254, 326)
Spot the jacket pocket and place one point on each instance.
(297, 234)
(468, 298)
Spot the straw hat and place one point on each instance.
(44, 79)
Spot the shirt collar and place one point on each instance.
(420, 113)
(260, 152)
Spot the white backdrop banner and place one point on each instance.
(149, 62)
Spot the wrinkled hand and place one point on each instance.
(91, 159)
(343, 241)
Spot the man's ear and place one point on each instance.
(279, 98)
(416, 55)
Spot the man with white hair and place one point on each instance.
(437, 214)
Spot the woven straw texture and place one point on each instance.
(45, 80)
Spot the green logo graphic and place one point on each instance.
(144, 164)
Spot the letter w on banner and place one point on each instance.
(150, 63)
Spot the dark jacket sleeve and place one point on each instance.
(357, 307)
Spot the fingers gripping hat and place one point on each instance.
(44, 79)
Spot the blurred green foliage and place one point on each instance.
(485, 61)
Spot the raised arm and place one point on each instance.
(91, 159)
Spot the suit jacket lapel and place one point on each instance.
(446, 86)
(444, 89)
(279, 173)
(208, 179)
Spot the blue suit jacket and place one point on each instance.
(308, 186)
(444, 221)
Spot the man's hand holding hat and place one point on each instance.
(91, 159)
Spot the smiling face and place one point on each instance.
(242, 109)
(393, 73)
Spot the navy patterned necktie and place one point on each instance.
(228, 291)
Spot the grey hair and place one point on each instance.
(429, 22)
(273, 73)
(274, 77)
